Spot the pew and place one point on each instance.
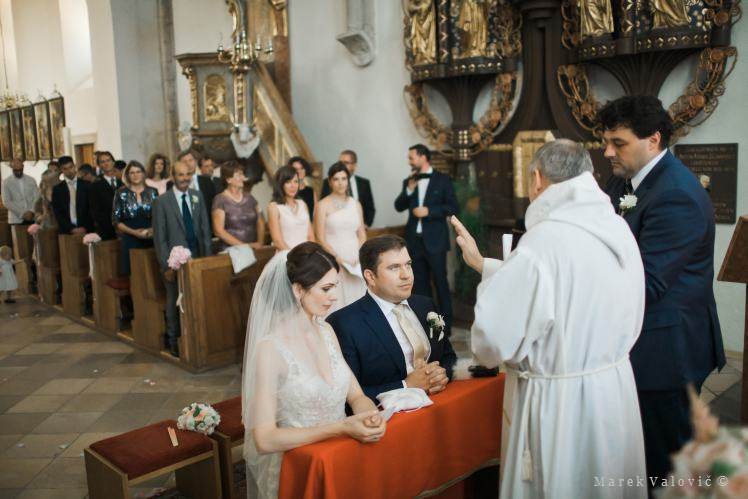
(5, 238)
(148, 299)
(74, 270)
(23, 249)
(398, 230)
(244, 282)
(48, 266)
(213, 331)
(106, 300)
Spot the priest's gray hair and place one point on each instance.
(561, 160)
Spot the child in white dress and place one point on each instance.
(8, 282)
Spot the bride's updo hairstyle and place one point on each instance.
(307, 263)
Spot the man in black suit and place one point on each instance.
(102, 195)
(672, 218)
(360, 187)
(385, 336)
(200, 183)
(430, 200)
(207, 167)
(70, 201)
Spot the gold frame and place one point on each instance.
(30, 144)
(43, 130)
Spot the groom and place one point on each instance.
(385, 336)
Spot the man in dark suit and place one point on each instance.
(672, 218)
(207, 167)
(385, 336)
(70, 201)
(200, 183)
(359, 187)
(101, 198)
(180, 218)
(430, 200)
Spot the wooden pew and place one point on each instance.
(148, 300)
(74, 271)
(48, 268)
(398, 230)
(23, 249)
(106, 300)
(213, 329)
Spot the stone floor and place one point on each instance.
(64, 386)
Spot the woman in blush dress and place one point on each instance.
(158, 172)
(288, 217)
(339, 226)
(236, 215)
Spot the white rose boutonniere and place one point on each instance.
(195, 199)
(627, 203)
(436, 325)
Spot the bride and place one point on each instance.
(296, 382)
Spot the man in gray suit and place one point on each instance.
(19, 194)
(180, 218)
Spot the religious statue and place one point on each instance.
(422, 35)
(473, 22)
(669, 13)
(596, 17)
(215, 99)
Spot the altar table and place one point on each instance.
(421, 451)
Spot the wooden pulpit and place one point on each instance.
(48, 265)
(735, 269)
(106, 301)
(23, 250)
(148, 300)
(74, 271)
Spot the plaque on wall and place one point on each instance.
(6, 151)
(716, 166)
(29, 133)
(16, 133)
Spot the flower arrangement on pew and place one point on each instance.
(712, 465)
(34, 229)
(201, 418)
(179, 256)
(91, 238)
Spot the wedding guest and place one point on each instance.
(132, 213)
(207, 170)
(52, 167)
(101, 197)
(359, 187)
(429, 198)
(306, 193)
(236, 215)
(70, 201)
(8, 282)
(288, 217)
(43, 211)
(119, 168)
(339, 227)
(179, 219)
(197, 182)
(19, 194)
(87, 173)
(157, 172)
(295, 381)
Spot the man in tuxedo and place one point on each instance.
(70, 201)
(672, 218)
(101, 195)
(430, 200)
(385, 336)
(360, 187)
(179, 219)
(199, 183)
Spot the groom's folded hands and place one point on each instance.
(431, 378)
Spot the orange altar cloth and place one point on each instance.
(421, 450)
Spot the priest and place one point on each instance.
(562, 313)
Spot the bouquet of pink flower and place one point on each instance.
(34, 229)
(91, 238)
(201, 418)
(178, 257)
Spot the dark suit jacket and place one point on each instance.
(364, 197)
(208, 190)
(371, 349)
(442, 203)
(673, 222)
(101, 200)
(61, 207)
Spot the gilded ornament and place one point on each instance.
(214, 99)
(596, 16)
(473, 23)
(422, 31)
(669, 13)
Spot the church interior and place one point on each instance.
(92, 371)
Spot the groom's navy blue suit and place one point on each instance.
(681, 340)
(371, 349)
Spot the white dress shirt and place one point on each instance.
(72, 188)
(178, 194)
(354, 187)
(637, 179)
(423, 184)
(402, 339)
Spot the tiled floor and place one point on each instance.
(64, 386)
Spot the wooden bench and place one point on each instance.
(48, 266)
(115, 464)
(229, 435)
(148, 300)
(74, 271)
(23, 250)
(106, 304)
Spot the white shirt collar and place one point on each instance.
(385, 305)
(178, 193)
(637, 179)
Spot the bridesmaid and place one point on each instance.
(288, 217)
(339, 226)
(306, 193)
(158, 172)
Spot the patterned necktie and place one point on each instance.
(189, 227)
(419, 349)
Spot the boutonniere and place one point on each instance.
(436, 325)
(627, 203)
(194, 199)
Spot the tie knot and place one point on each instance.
(629, 187)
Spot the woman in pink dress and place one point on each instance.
(339, 226)
(288, 217)
(157, 173)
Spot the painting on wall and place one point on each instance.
(29, 134)
(16, 133)
(6, 151)
(57, 124)
(43, 137)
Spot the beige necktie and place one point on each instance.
(73, 209)
(411, 332)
